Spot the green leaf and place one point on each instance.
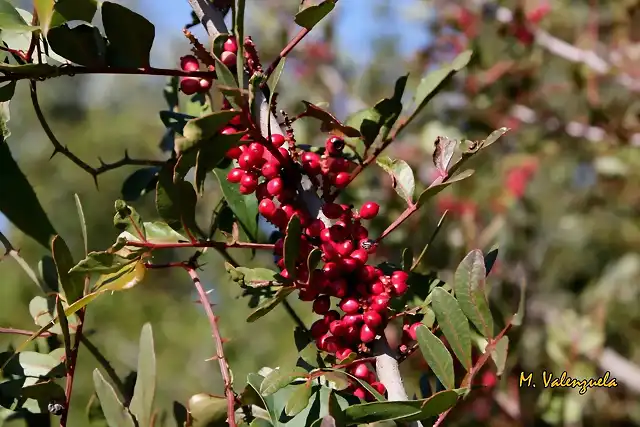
(66, 334)
(226, 78)
(401, 411)
(44, 311)
(309, 17)
(280, 378)
(469, 286)
(433, 190)
(101, 263)
(18, 201)
(114, 411)
(207, 127)
(436, 355)
(175, 121)
(176, 202)
(170, 93)
(391, 108)
(211, 153)
(83, 45)
(7, 91)
(44, 8)
(39, 365)
(499, 354)
(125, 278)
(271, 303)
(159, 232)
(127, 219)
(495, 135)
(299, 399)
(292, 245)
(10, 19)
(83, 223)
(402, 176)
(130, 36)
(443, 154)
(73, 10)
(207, 410)
(431, 84)
(367, 122)
(49, 274)
(72, 284)
(257, 274)
(274, 78)
(454, 324)
(141, 405)
(244, 207)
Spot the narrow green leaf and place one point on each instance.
(436, 189)
(401, 411)
(125, 278)
(207, 410)
(280, 378)
(207, 127)
(19, 202)
(83, 44)
(274, 78)
(495, 135)
(402, 177)
(499, 354)
(72, 284)
(73, 10)
(244, 207)
(144, 391)
(469, 286)
(292, 245)
(437, 356)
(407, 259)
(83, 223)
(453, 324)
(130, 36)
(10, 19)
(64, 327)
(299, 400)
(271, 303)
(313, 260)
(238, 31)
(44, 8)
(312, 15)
(431, 239)
(114, 411)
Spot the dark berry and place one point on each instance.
(189, 85)
(332, 210)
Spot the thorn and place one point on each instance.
(126, 155)
(55, 151)
(102, 163)
(224, 340)
(211, 359)
(95, 180)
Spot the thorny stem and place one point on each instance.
(466, 382)
(215, 331)
(72, 367)
(59, 148)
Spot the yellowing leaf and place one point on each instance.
(125, 278)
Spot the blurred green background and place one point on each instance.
(567, 221)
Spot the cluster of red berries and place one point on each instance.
(192, 85)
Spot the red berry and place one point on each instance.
(369, 210)
(360, 393)
(321, 305)
(233, 153)
(277, 140)
(245, 190)
(360, 255)
(349, 305)
(189, 63)
(338, 288)
(249, 180)
(230, 45)
(361, 371)
(399, 288)
(380, 302)
(270, 170)
(319, 328)
(289, 210)
(189, 85)
(261, 192)
(359, 232)
(332, 210)
(334, 145)
(337, 328)
(332, 270)
(205, 85)
(339, 165)
(258, 149)
(412, 330)
(352, 319)
(372, 319)
(367, 334)
(345, 248)
(331, 316)
(377, 288)
(399, 276)
(274, 186)
(325, 235)
(367, 273)
(228, 58)
(315, 228)
(267, 208)
(235, 175)
(343, 354)
(349, 265)
(248, 160)
(342, 179)
(379, 387)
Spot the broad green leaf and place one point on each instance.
(130, 36)
(207, 410)
(72, 284)
(499, 354)
(159, 232)
(83, 45)
(83, 223)
(39, 365)
(271, 303)
(437, 356)
(44, 8)
(312, 15)
(244, 207)
(435, 189)
(127, 219)
(139, 183)
(176, 202)
(207, 127)
(292, 245)
(469, 287)
(299, 399)
(402, 177)
(126, 278)
(406, 411)
(114, 411)
(141, 405)
(101, 263)
(10, 19)
(73, 10)
(391, 108)
(257, 275)
(18, 202)
(280, 378)
(454, 324)
(431, 84)
(367, 121)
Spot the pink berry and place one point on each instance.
(205, 85)
(369, 210)
(379, 387)
(361, 371)
(352, 319)
(230, 45)
(412, 330)
(360, 393)
(189, 63)
(189, 85)
(377, 288)
(228, 58)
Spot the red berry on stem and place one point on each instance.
(343, 354)
(380, 302)
(399, 276)
(372, 318)
(245, 190)
(277, 140)
(248, 160)
(233, 153)
(235, 175)
(331, 316)
(379, 387)
(228, 58)
(377, 288)
(367, 334)
(274, 186)
(345, 248)
(350, 265)
(342, 179)
(369, 210)
(267, 208)
(321, 305)
(352, 319)
(258, 149)
(230, 45)
(412, 330)
(332, 270)
(205, 85)
(360, 393)
(249, 180)
(399, 288)
(332, 210)
(315, 228)
(360, 255)
(189, 85)
(361, 371)
(189, 63)
(349, 305)
(334, 145)
(270, 170)
(319, 328)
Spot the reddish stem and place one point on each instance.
(287, 50)
(398, 221)
(205, 244)
(22, 332)
(215, 331)
(72, 368)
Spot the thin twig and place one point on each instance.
(23, 332)
(215, 331)
(202, 244)
(72, 368)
